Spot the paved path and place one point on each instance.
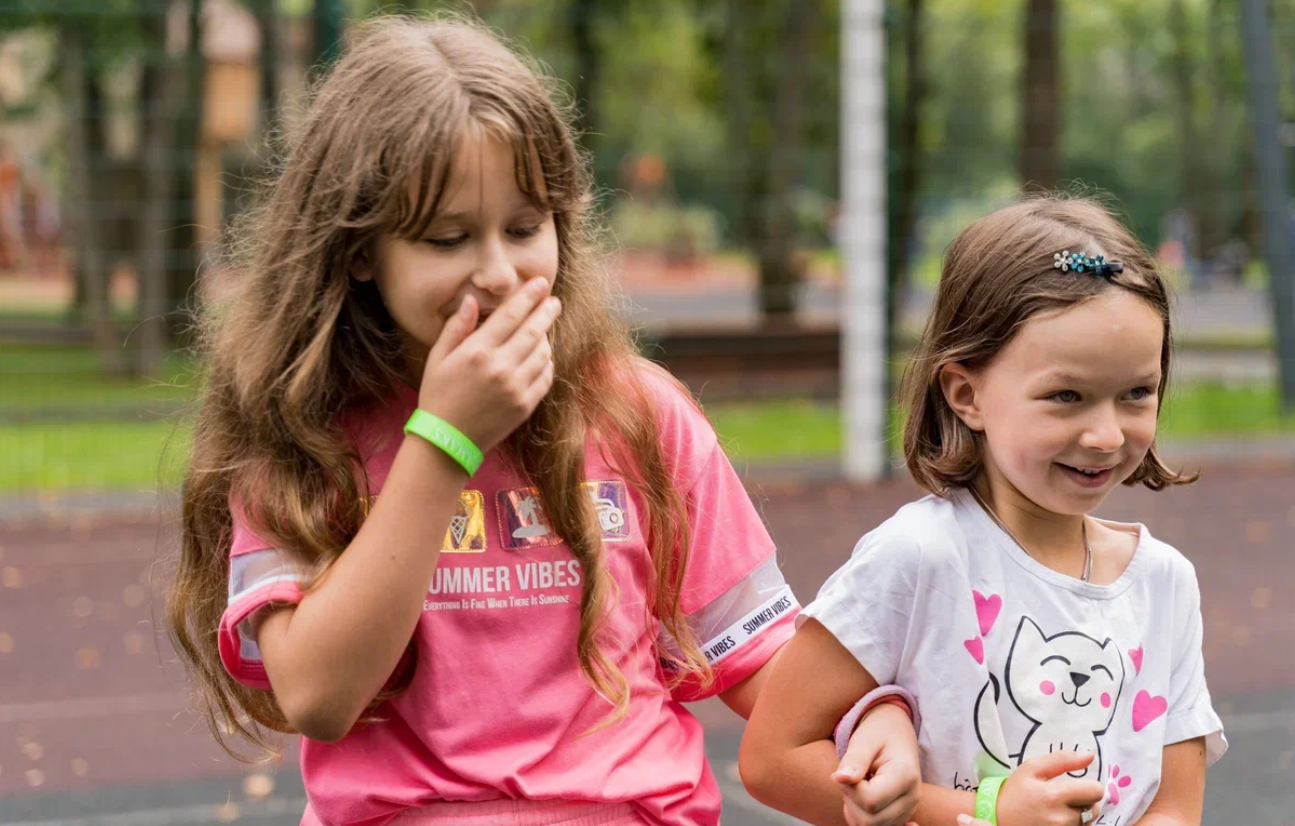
(94, 727)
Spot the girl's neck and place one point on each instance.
(1053, 539)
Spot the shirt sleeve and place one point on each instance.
(740, 630)
(259, 577)
(1191, 712)
(869, 603)
(733, 595)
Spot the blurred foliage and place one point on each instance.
(682, 233)
(663, 89)
(1126, 73)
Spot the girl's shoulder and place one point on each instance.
(682, 427)
(1161, 564)
(915, 558)
(674, 402)
(922, 540)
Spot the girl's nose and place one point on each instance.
(495, 273)
(1102, 432)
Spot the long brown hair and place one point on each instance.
(294, 341)
(998, 274)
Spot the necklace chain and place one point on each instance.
(1087, 573)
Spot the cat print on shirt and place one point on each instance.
(1067, 685)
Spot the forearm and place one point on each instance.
(349, 632)
(1180, 800)
(940, 806)
(800, 783)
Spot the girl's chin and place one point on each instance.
(1075, 497)
(1063, 497)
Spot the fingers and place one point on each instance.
(1081, 794)
(968, 820)
(1048, 766)
(540, 387)
(458, 327)
(895, 813)
(530, 368)
(855, 765)
(858, 760)
(888, 798)
(847, 775)
(887, 785)
(503, 322)
(529, 348)
(532, 333)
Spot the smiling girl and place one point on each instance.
(439, 517)
(1042, 644)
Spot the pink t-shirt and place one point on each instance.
(498, 705)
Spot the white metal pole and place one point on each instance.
(862, 235)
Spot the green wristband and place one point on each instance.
(987, 799)
(447, 437)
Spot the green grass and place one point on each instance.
(114, 452)
(91, 456)
(107, 447)
(763, 431)
(123, 312)
(769, 431)
(1213, 410)
(41, 377)
(99, 455)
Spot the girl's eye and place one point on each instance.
(446, 243)
(1140, 394)
(1066, 397)
(525, 232)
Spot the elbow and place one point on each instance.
(318, 717)
(759, 772)
(322, 728)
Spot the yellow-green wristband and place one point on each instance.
(987, 799)
(447, 437)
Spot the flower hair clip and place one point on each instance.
(1083, 262)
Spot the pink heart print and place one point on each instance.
(1135, 654)
(977, 648)
(1146, 709)
(987, 608)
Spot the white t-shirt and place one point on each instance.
(1009, 659)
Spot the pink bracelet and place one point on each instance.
(882, 694)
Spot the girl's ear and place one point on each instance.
(960, 387)
(363, 268)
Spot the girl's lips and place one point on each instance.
(1087, 480)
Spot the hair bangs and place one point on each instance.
(540, 174)
(424, 164)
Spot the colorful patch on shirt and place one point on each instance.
(467, 531)
(523, 523)
(612, 506)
